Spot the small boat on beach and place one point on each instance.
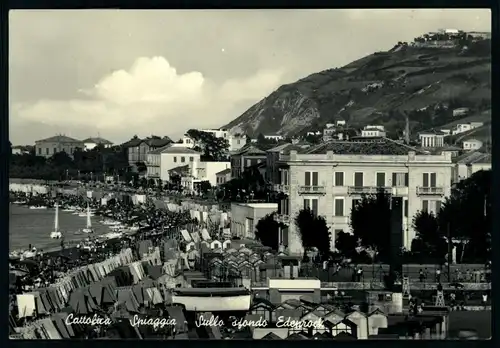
(56, 234)
(88, 228)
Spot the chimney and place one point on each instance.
(407, 130)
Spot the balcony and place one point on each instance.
(430, 191)
(282, 188)
(315, 190)
(366, 190)
(282, 218)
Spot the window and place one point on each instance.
(284, 177)
(54, 150)
(249, 163)
(191, 159)
(311, 178)
(429, 180)
(358, 179)
(183, 159)
(399, 179)
(47, 151)
(438, 207)
(380, 179)
(39, 150)
(175, 159)
(338, 179)
(238, 142)
(283, 207)
(425, 206)
(339, 207)
(405, 208)
(311, 204)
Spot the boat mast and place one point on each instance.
(56, 220)
(89, 220)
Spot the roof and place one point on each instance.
(472, 140)
(250, 149)
(97, 140)
(59, 139)
(179, 169)
(158, 142)
(132, 142)
(484, 158)
(286, 148)
(210, 291)
(178, 150)
(431, 132)
(384, 147)
(224, 172)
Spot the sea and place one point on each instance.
(28, 226)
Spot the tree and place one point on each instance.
(204, 186)
(313, 231)
(61, 159)
(267, 230)
(466, 214)
(429, 242)
(346, 244)
(141, 167)
(371, 223)
(211, 147)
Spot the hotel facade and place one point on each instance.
(331, 178)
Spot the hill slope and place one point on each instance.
(381, 88)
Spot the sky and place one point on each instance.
(117, 73)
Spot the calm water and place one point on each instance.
(33, 227)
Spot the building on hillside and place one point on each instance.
(470, 163)
(273, 137)
(90, 143)
(59, 143)
(203, 171)
(472, 144)
(331, 178)
(329, 132)
(370, 131)
(175, 156)
(246, 157)
(223, 176)
(137, 149)
(245, 216)
(460, 112)
(465, 127)
(431, 139)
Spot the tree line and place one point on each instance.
(463, 222)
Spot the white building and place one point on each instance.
(330, 178)
(460, 112)
(161, 160)
(237, 141)
(187, 142)
(274, 137)
(204, 171)
(223, 176)
(472, 144)
(90, 143)
(245, 216)
(431, 139)
(373, 131)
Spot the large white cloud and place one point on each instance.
(151, 98)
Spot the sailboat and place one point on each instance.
(88, 229)
(56, 234)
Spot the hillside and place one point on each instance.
(425, 84)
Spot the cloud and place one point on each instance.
(151, 97)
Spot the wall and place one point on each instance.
(326, 165)
(237, 142)
(240, 212)
(472, 145)
(172, 160)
